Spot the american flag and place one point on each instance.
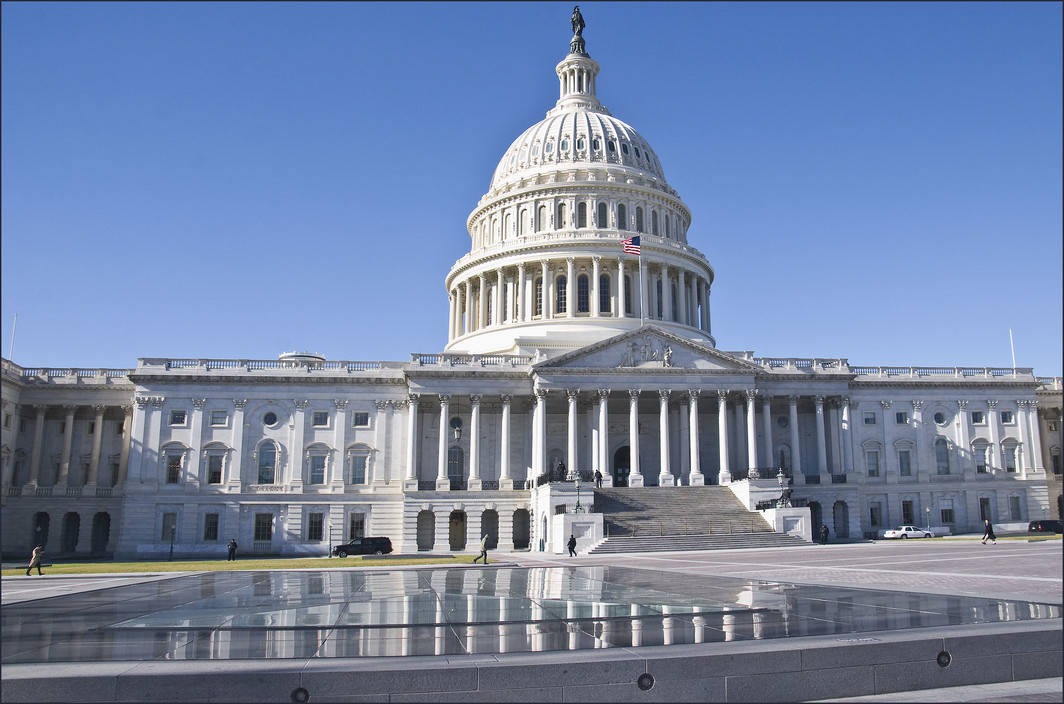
(631, 246)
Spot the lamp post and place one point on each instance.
(927, 511)
(579, 508)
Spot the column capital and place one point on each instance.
(634, 394)
(141, 401)
(793, 399)
(380, 403)
(240, 403)
(300, 403)
(603, 394)
(845, 400)
(664, 394)
(506, 399)
(100, 408)
(885, 405)
(961, 405)
(413, 399)
(70, 408)
(751, 394)
(570, 260)
(991, 404)
(541, 395)
(398, 405)
(127, 410)
(917, 405)
(340, 403)
(596, 259)
(199, 402)
(475, 399)
(445, 398)
(818, 400)
(722, 394)
(573, 394)
(521, 267)
(693, 394)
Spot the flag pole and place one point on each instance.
(1012, 346)
(642, 307)
(11, 347)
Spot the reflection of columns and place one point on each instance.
(821, 440)
(411, 439)
(696, 477)
(847, 444)
(474, 443)
(665, 477)
(442, 483)
(539, 432)
(766, 426)
(596, 274)
(727, 622)
(570, 299)
(751, 435)
(38, 437)
(722, 431)
(604, 433)
(505, 482)
(620, 311)
(68, 440)
(97, 440)
(570, 457)
(796, 454)
(634, 477)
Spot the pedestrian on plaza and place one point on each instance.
(988, 532)
(483, 550)
(598, 479)
(823, 534)
(232, 549)
(35, 560)
(572, 545)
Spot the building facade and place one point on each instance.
(579, 341)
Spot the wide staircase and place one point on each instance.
(652, 519)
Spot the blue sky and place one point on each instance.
(880, 182)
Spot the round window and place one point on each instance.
(624, 147)
(549, 148)
(940, 418)
(565, 145)
(270, 418)
(783, 421)
(580, 143)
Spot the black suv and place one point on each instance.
(364, 546)
(1045, 526)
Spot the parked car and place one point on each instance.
(1045, 526)
(364, 546)
(904, 532)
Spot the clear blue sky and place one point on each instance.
(880, 182)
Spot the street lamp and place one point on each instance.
(927, 510)
(579, 508)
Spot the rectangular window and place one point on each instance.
(1010, 458)
(1014, 508)
(169, 527)
(901, 417)
(356, 526)
(263, 526)
(210, 526)
(1006, 417)
(321, 419)
(173, 469)
(315, 524)
(905, 467)
(978, 418)
(869, 418)
(92, 427)
(946, 511)
(177, 417)
(358, 469)
(875, 514)
(979, 451)
(984, 509)
(214, 469)
(907, 512)
(219, 418)
(360, 419)
(872, 461)
(317, 469)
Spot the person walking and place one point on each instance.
(232, 549)
(823, 533)
(572, 545)
(35, 560)
(988, 532)
(483, 550)
(598, 479)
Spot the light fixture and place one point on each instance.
(456, 421)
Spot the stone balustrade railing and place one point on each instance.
(482, 360)
(252, 365)
(1049, 383)
(960, 372)
(72, 374)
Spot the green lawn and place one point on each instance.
(295, 563)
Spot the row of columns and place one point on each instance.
(469, 306)
(63, 476)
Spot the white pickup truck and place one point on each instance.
(904, 532)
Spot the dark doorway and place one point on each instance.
(489, 526)
(426, 530)
(984, 510)
(522, 529)
(101, 532)
(622, 465)
(71, 529)
(456, 533)
(841, 519)
(41, 522)
(815, 516)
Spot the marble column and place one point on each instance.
(539, 433)
(666, 294)
(570, 287)
(751, 435)
(622, 312)
(474, 443)
(38, 440)
(467, 308)
(604, 436)
(547, 307)
(696, 477)
(496, 303)
(596, 274)
(847, 437)
(1023, 462)
(821, 440)
(665, 477)
(796, 452)
(724, 476)
(681, 296)
(962, 439)
(234, 467)
(570, 455)
(97, 442)
(995, 458)
(519, 300)
(451, 300)
(68, 440)
(635, 479)
(505, 482)
(766, 427)
(1038, 459)
(592, 439)
(411, 442)
(482, 302)
(442, 482)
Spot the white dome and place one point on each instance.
(573, 139)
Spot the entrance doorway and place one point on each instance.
(622, 465)
(456, 533)
(522, 529)
(101, 533)
(841, 519)
(426, 530)
(815, 516)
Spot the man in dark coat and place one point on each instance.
(232, 549)
(572, 545)
(598, 479)
(823, 534)
(35, 560)
(988, 532)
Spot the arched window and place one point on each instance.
(560, 223)
(627, 294)
(524, 221)
(490, 307)
(604, 294)
(539, 296)
(654, 222)
(267, 463)
(559, 295)
(622, 217)
(508, 229)
(602, 216)
(581, 215)
(541, 220)
(583, 304)
(638, 219)
(941, 456)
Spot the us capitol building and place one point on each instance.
(569, 352)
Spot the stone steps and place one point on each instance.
(697, 542)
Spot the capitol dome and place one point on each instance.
(547, 269)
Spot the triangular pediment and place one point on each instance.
(648, 347)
